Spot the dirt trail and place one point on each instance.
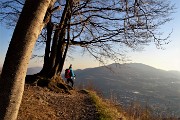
(42, 104)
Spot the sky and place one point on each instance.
(167, 58)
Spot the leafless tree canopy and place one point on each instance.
(103, 28)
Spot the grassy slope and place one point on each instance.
(108, 110)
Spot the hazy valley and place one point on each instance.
(134, 82)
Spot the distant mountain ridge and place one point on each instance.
(33, 70)
(135, 82)
(30, 71)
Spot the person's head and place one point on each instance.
(70, 66)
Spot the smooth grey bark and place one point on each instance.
(12, 79)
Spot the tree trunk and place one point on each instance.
(64, 51)
(17, 58)
(57, 57)
(54, 49)
(57, 48)
(46, 65)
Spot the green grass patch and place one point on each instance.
(106, 109)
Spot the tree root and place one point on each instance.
(55, 84)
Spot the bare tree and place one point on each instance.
(102, 28)
(29, 26)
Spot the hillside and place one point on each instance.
(128, 83)
(135, 82)
(122, 84)
(42, 104)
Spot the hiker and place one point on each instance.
(69, 75)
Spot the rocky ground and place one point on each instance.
(42, 104)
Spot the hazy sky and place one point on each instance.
(167, 59)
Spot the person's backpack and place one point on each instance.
(67, 73)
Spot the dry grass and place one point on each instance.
(106, 109)
(111, 110)
(136, 112)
